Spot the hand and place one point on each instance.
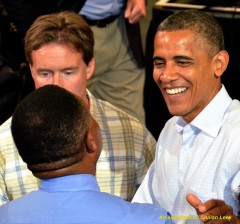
(135, 10)
(213, 211)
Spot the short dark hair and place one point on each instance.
(200, 22)
(66, 27)
(49, 128)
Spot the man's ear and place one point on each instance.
(221, 60)
(91, 145)
(90, 68)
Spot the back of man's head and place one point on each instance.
(49, 128)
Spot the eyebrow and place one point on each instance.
(179, 57)
(182, 57)
(39, 70)
(157, 58)
(50, 70)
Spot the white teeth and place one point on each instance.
(175, 91)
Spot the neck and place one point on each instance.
(86, 100)
(78, 168)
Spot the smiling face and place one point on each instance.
(185, 73)
(63, 66)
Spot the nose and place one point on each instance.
(56, 80)
(168, 74)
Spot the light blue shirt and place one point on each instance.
(76, 199)
(100, 9)
(202, 157)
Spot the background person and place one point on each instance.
(59, 49)
(119, 75)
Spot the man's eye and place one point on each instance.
(67, 73)
(183, 63)
(158, 63)
(45, 74)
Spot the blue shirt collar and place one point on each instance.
(75, 182)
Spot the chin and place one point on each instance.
(175, 112)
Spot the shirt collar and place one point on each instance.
(77, 182)
(91, 101)
(211, 118)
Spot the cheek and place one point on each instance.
(156, 75)
(77, 87)
(38, 82)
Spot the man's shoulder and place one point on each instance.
(131, 212)
(108, 107)
(6, 124)
(115, 122)
(105, 111)
(232, 115)
(5, 130)
(148, 213)
(234, 108)
(170, 123)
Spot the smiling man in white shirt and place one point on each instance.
(198, 149)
